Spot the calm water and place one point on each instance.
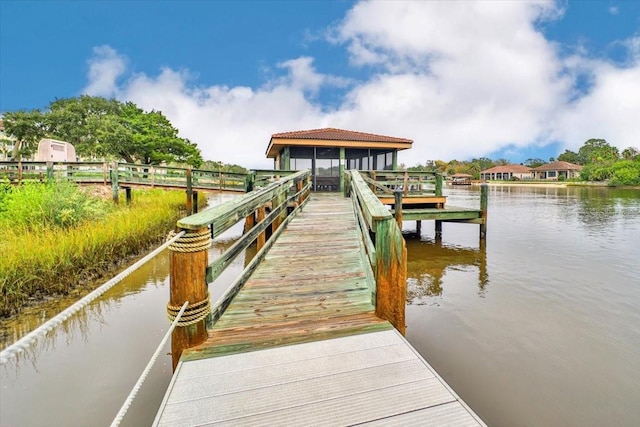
(539, 327)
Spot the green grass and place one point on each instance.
(50, 245)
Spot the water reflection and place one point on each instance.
(428, 261)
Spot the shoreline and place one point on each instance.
(551, 184)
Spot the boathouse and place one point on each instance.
(327, 152)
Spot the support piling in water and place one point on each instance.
(484, 203)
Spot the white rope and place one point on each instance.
(26, 341)
(127, 403)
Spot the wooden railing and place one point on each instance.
(411, 183)
(385, 249)
(117, 174)
(266, 212)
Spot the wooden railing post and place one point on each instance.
(49, 171)
(114, 181)
(438, 184)
(262, 237)
(398, 207)
(391, 274)
(484, 203)
(188, 263)
(189, 192)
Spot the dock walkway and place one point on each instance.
(301, 345)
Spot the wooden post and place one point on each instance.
(341, 169)
(195, 202)
(419, 227)
(397, 194)
(127, 191)
(49, 171)
(262, 237)
(391, 274)
(438, 228)
(189, 193)
(249, 181)
(275, 203)
(347, 184)
(249, 222)
(484, 203)
(405, 183)
(438, 184)
(188, 283)
(114, 181)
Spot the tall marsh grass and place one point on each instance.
(50, 244)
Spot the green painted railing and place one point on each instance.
(123, 174)
(266, 211)
(384, 183)
(385, 248)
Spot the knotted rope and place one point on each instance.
(192, 242)
(193, 314)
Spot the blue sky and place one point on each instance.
(462, 79)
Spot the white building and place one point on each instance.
(51, 150)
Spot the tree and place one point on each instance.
(27, 128)
(569, 156)
(630, 153)
(99, 128)
(534, 163)
(597, 151)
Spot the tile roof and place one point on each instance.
(339, 135)
(558, 166)
(507, 169)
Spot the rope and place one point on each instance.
(193, 314)
(26, 341)
(134, 391)
(192, 242)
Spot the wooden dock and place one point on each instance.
(300, 344)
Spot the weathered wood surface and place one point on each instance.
(312, 284)
(373, 379)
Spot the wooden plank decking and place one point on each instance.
(301, 345)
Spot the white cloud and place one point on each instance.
(105, 67)
(462, 79)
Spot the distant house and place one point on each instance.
(328, 152)
(50, 150)
(507, 173)
(557, 170)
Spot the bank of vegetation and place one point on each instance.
(56, 237)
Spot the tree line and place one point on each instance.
(600, 161)
(102, 128)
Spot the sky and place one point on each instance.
(462, 79)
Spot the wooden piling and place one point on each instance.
(438, 228)
(484, 203)
(187, 283)
(262, 237)
(194, 200)
(391, 274)
(127, 191)
(418, 227)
